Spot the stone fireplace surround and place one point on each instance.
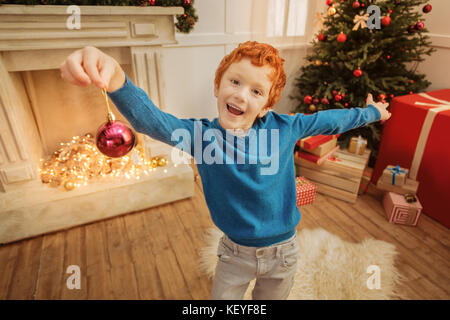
(34, 41)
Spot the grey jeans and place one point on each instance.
(274, 268)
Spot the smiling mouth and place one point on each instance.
(234, 110)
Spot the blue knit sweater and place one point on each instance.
(248, 180)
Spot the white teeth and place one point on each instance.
(231, 106)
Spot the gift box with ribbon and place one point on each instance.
(357, 145)
(417, 137)
(306, 191)
(402, 209)
(394, 175)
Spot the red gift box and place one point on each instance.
(399, 211)
(417, 136)
(306, 191)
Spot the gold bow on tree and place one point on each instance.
(360, 21)
(319, 18)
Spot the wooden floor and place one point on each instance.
(152, 254)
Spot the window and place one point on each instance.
(286, 18)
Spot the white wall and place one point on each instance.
(437, 66)
(190, 65)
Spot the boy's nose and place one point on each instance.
(241, 95)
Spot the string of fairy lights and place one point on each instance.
(78, 162)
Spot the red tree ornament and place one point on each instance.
(357, 73)
(356, 5)
(427, 8)
(308, 99)
(386, 21)
(420, 25)
(341, 37)
(321, 37)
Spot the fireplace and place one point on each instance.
(39, 111)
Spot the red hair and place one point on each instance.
(260, 54)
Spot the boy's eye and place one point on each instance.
(236, 82)
(257, 92)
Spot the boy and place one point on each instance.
(256, 211)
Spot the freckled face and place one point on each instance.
(243, 93)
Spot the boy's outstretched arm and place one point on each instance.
(336, 121)
(91, 66)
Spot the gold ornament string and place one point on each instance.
(110, 114)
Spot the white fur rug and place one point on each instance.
(329, 268)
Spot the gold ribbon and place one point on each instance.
(319, 18)
(360, 21)
(426, 128)
(110, 115)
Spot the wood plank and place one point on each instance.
(8, 260)
(335, 192)
(148, 281)
(25, 275)
(97, 264)
(187, 256)
(123, 278)
(51, 269)
(172, 281)
(348, 184)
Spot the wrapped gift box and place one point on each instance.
(410, 186)
(365, 180)
(400, 211)
(394, 175)
(417, 136)
(339, 176)
(357, 145)
(306, 191)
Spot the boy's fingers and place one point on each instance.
(65, 75)
(74, 68)
(106, 73)
(90, 60)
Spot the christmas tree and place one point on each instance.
(363, 47)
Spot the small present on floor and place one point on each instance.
(396, 179)
(306, 191)
(402, 208)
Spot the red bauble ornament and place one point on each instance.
(334, 92)
(338, 97)
(324, 101)
(115, 139)
(427, 8)
(386, 21)
(355, 5)
(316, 101)
(420, 25)
(186, 3)
(321, 37)
(152, 2)
(307, 100)
(357, 73)
(341, 37)
(329, 2)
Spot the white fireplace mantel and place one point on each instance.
(36, 38)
